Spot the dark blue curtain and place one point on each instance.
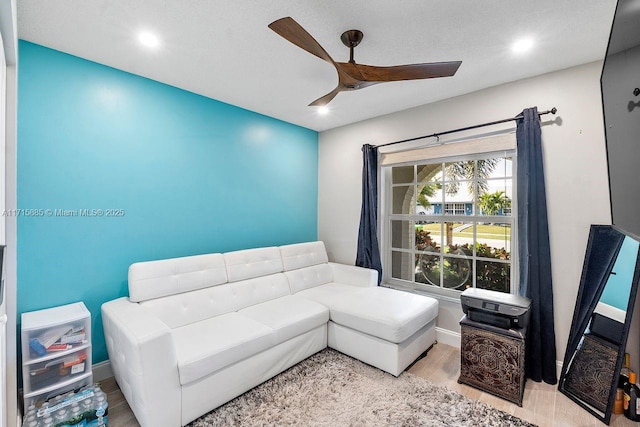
(602, 250)
(368, 255)
(533, 250)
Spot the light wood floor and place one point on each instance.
(543, 404)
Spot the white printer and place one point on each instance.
(495, 308)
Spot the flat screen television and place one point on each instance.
(620, 83)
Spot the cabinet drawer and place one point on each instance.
(50, 342)
(38, 397)
(44, 374)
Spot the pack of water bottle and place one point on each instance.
(86, 407)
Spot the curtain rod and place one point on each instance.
(436, 135)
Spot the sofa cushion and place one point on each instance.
(288, 316)
(206, 346)
(302, 255)
(155, 279)
(328, 294)
(250, 263)
(190, 307)
(309, 277)
(385, 313)
(382, 312)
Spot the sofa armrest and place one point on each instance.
(143, 358)
(352, 275)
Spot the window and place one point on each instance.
(454, 209)
(448, 224)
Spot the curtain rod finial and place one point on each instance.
(554, 110)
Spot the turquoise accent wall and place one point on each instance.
(616, 291)
(184, 175)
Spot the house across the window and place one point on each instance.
(450, 224)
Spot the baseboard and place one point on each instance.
(558, 368)
(102, 371)
(448, 337)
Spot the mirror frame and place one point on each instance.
(571, 349)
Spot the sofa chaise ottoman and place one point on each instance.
(197, 331)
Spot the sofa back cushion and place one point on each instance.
(156, 279)
(302, 255)
(250, 263)
(309, 277)
(190, 307)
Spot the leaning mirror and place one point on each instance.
(601, 320)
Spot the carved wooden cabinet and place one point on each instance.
(492, 359)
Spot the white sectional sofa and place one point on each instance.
(197, 331)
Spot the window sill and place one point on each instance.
(421, 291)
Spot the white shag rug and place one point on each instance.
(332, 389)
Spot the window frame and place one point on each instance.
(386, 216)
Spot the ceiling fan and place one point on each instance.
(352, 76)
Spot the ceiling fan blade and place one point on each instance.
(407, 72)
(327, 98)
(289, 29)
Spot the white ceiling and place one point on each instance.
(224, 50)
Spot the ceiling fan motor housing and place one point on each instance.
(351, 38)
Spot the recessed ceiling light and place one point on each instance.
(522, 45)
(323, 111)
(148, 39)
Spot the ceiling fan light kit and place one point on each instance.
(353, 76)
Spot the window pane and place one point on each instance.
(486, 168)
(430, 173)
(403, 200)
(502, 168)
(457, 171)
(494, 276)
(457, 271)
(401, 265)
(496, 198)
(458, 238)
(401, 234)
(428, 236)
(429, 196)
(402, 174)
(458, 198)
(494, 240)
(427, 269)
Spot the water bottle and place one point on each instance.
(88, 410)
(102, 407)
(29, 418)
(61, 417)
(42, 411)
(47, 422)
(75, 415)
(98, 413)
(31, 410)
(97, 391)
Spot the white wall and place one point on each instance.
(575, 168)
